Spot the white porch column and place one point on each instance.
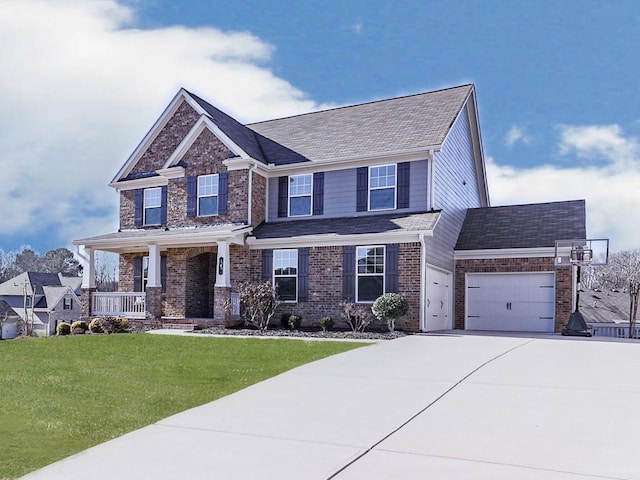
(223, 277)
(88, 259)
(153, 277)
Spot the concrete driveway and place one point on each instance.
(448, 406)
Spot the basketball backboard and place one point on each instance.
(582, 252)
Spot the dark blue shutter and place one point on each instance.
(137, 274)
(267, 265)
(303, 275)
(349, 272)
(362, 187)
(163, 205)
(404, 177)
(223, 188)
(192, 192)
(391, 268)
(318, 193)
(138, 206)
(163, 274)
(283, 196)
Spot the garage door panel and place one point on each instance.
(511, 302)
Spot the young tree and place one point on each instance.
(106, 272)
(623, 272)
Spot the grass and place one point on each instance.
(61, 395)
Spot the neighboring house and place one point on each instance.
(43, 299)
(606, 311)
(337, 205)
(9, 321)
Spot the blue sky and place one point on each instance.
(82, 81)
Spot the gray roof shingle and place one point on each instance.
(522, 226)
(398, 124)
(366, 224)
(604, 306)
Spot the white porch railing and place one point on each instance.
(118, 304)
(614, 330)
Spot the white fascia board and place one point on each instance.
(239, 163)
(172, 172)
(157, 127)
(343, 163)
(503, 253)
(332, 240)
(203, 122)
(147, 182)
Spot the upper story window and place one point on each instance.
(285, 274)
(153, 206)
(300, 190)
(27, 302)
(369, 273)
(382, 187)
(67, 303)
(208, 188)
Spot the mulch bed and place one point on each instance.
(304, 333)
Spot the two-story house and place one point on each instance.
(341, 204)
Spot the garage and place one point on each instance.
(438, 311)
(521, 302)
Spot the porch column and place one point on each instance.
(222, 287)
(88, 262)
(154, 284)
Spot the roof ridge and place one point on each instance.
(371, 102)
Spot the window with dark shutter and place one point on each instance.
(404, 178)
(138, 206)
(303, 275)
(191, 196)
(163, 205)
(348, 272)
(223, 193)
(318, 193)
(283, 196)
(267, 265)
(362, 188)
(391, 268)
(137, 274)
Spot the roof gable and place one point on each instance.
(522, 226)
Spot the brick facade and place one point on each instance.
(564, 282)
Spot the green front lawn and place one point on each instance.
(61, 395)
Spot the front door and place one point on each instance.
(438, 311)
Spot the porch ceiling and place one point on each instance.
(139, 240)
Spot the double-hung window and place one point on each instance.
(67, 303)
(300, 190)
(153, 206)
(208, 187)
(285, 274)
(382, 187)
(369, 273)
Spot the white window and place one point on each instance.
(153, 206)
(285, 274)
(300, 188)
(27, 302)
(382, 187)
(67, 303)
(208, 186)
(369, 273)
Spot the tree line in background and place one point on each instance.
(59, 260)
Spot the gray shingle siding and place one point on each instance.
(522, 226)
(455, 190)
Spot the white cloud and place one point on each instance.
(81, 85)
(609, 186)
(357, 28)
(516, 134)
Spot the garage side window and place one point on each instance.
(369, 273)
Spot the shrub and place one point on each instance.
(114, 324)
(294, 321)
(356, 316)
(63, 329)
(79, 327)
(95, 326)
(258, 303)
(390, 307)
(326, 323)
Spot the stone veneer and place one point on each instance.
(564, 282)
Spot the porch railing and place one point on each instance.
(617, 331)
(119, 304)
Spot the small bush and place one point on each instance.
(79, 327)
(258, 303)
(326, 323)
(114, 324)
(295, 321)
(390, 307)
(63, 329)
(95, 326)
(356, 316)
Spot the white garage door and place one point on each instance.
(438, 311)
(520, 302)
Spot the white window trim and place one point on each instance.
(395, 188)
(274, 276)
(64, 303)
(198, 196)
(384, 271)
(289, 196)
(144, 205)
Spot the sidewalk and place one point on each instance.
(443, 406)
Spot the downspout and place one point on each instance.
(423, 282)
